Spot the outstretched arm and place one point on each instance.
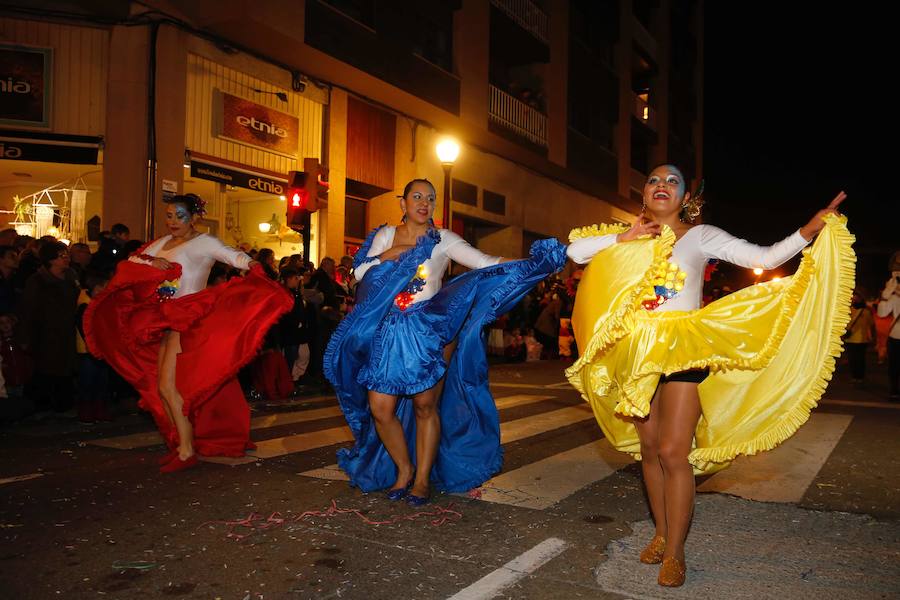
(716, 243)
(462, 252)
(228, 255)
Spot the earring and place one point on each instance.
(403, 220)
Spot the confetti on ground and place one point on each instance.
(256, 522)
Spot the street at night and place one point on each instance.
(447, 300)
(85, 514)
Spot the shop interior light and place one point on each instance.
(265, 227)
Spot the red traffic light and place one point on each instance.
(297, 198)
(305, 188)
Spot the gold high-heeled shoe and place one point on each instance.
(652, 554)
(671, 573)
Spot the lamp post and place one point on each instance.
(447, 151)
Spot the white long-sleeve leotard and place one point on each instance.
(451, 247)
(695, 248)
(196, 257)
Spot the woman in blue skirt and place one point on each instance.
(408, 363)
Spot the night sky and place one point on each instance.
(797, 108)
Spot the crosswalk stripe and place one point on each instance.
(535, 386)
(152, 438)
(510, 431)
(316, 439)
(541, 484)
(301, 442)
(492, 584)
(783, 474)
(563, 385)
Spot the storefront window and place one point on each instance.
(245, 218)
(48, 198)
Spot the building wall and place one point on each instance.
(81, 65)
(542, 196)
(533, 202)
(125, 142)
(80, 70)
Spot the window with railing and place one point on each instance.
(528, 15)
(517, 116)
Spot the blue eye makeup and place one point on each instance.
(182, 214)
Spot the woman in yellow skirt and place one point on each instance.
(687, 389)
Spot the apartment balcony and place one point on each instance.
(512, 114)
(528, 15)
(643, 112)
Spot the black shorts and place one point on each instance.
(691, 376)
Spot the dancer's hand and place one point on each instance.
(816, 224)
(890, 288)
(161, 264)
(643, 226)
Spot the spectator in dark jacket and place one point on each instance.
(9, 264)
(17, 370)
(48, 311)
(297, 327)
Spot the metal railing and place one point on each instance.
(528, 15)
(515, 115)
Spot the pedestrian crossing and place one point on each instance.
(540, 478)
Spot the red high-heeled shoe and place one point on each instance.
(167, 457)
(176, 464)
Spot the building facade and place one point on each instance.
(559, 107)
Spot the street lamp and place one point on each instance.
(447, 151)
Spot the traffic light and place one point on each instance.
(305, 189)
(297, 200)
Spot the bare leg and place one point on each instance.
(390, 431)
(159, 370)
(654, 482)
(428, 436)
(428, 429)
(172, 397)
(679, 413)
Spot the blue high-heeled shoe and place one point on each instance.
(416, 501)
(399, 493)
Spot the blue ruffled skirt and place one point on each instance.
(407, 352)
(379, 347)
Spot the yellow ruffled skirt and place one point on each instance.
(770, 348)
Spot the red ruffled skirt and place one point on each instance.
(221, 328)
